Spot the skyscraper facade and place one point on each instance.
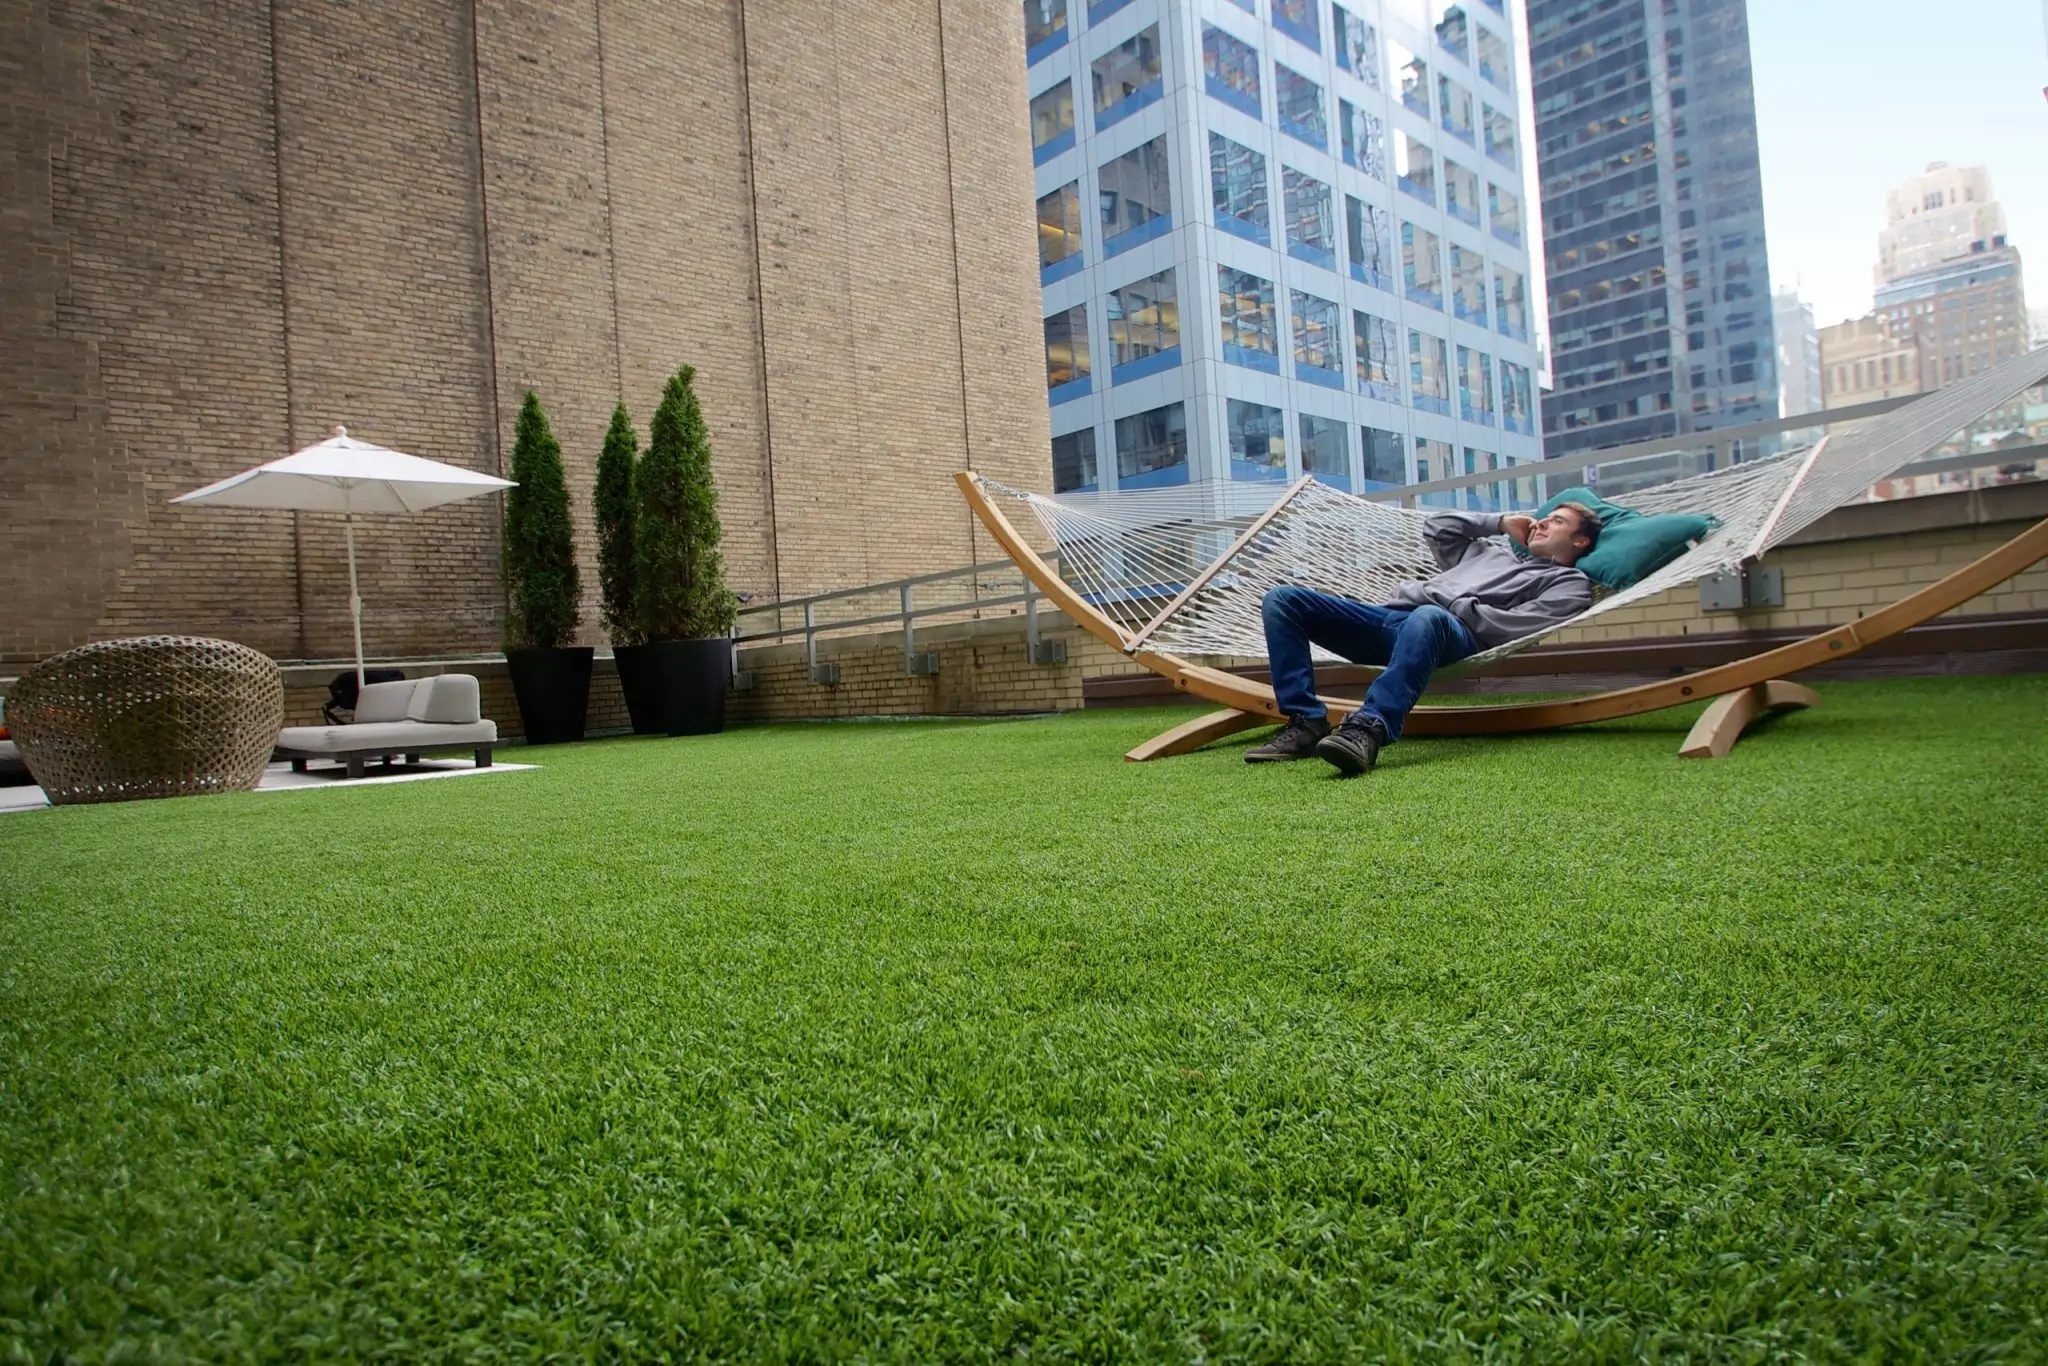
(1863, 361)
(1945, 213)
(1967, 314)
(1951, 302)
(1949, 282)
(1799, 378)
(1653, 222)
(1282, 238)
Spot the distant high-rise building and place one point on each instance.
(2037, 324)
(1653, 222)
(1280, 239)
(1799, 381)
(1946, 277)
(1936, 217)
(1967, 314)
(1951, 287)
(1861, 361)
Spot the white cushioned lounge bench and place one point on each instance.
(407, 717)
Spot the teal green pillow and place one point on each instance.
(1632, 545)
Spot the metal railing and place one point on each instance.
(995, 588)
(1706, 446)
(1707, 450)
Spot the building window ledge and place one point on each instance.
(1302, 132)
(1307, 37)
(1370, 277)
(1163, 477)
(1232, 96)
(1156, 363)
(1250, 359)
(1129, 105)
(1052, 147)
(1315, 256)
(1132, 237)
(1238, 227)
(1060, 269)
(1045, 48)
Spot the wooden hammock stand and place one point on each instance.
(1742, 690)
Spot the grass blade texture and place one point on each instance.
(956, 1041)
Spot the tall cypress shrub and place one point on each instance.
(679, 578)
(613, 503)
(542, 586)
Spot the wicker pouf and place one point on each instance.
(154, 716)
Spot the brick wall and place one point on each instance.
(231, 226)
(538, 81)
(985, 669)
(144, 323)
(386, 313)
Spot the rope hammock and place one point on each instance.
(1185, 568)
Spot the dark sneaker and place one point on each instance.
(1296, 740)
(1353, 747)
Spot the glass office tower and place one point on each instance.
(1653, 224)
(1282, 237)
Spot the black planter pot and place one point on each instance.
(553, 688)
(640, 681)
(691, 676)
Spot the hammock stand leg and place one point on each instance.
(1191, 736)
(1722, 724)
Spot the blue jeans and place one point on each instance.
(1412, 644)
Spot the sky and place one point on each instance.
(1855, 96)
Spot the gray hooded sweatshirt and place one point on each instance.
(1497, 594)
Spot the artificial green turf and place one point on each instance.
(953, 1041)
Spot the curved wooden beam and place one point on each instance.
(1838, 642)
(1205, 729)
(1722, 724)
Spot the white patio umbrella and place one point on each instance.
(342, 474)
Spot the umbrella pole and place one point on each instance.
(355, 601)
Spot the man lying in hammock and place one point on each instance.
(1486, 595)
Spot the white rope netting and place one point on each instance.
(1131, 554)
